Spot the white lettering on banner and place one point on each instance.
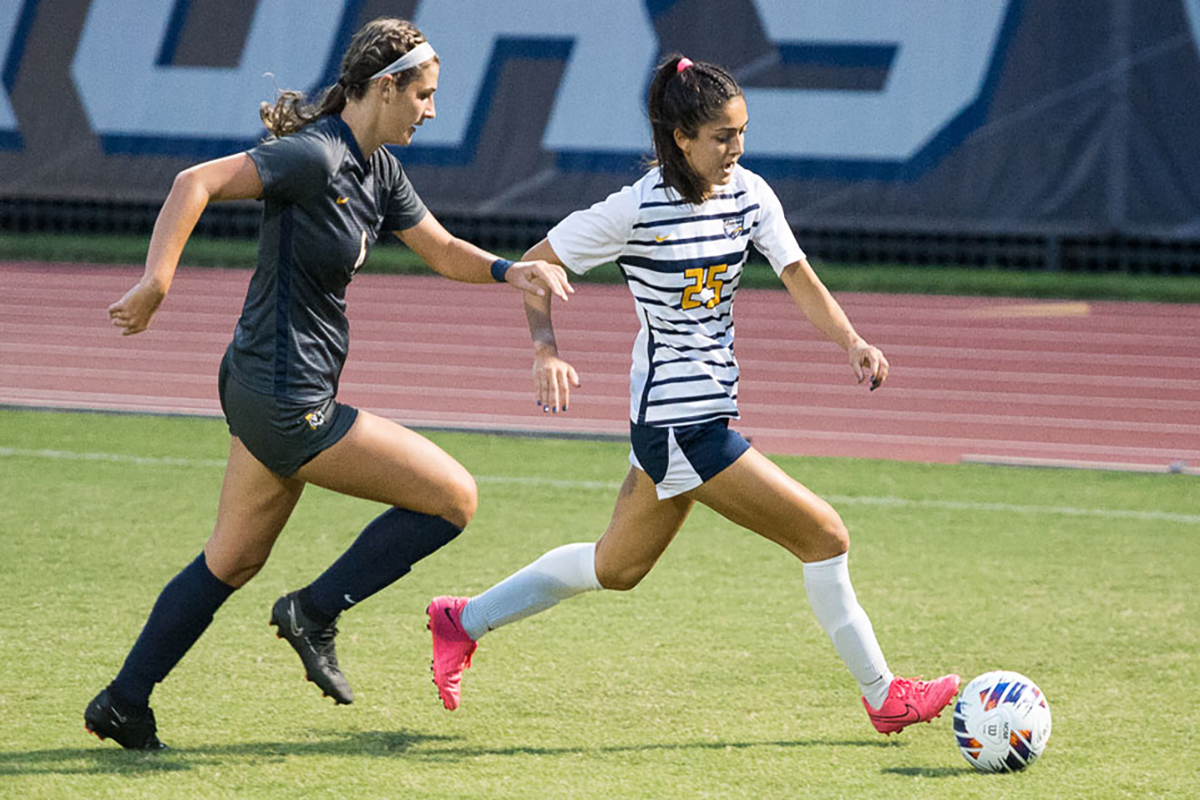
(943, 51)
(599, 106)
(125, 93)
(935, 55)
(10, 11)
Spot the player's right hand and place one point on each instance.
(552, 380)
(132, 312)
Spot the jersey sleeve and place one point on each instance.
(293, 168)
(594, 236)
(402, 207)
(773, 237)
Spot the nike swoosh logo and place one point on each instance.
(910, 715)
(341, 201)
(450, 617)
(664, 237)
(349, 599)
(292, 616)
(117, 714)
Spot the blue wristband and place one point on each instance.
(499, 268)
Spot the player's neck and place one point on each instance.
(363, 123)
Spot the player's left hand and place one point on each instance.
(553, 379)
(868, 362)
(536, 277)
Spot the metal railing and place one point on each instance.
(1045, 252)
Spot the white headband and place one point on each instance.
(418, 55)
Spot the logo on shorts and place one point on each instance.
(734, 226)
(315, 419)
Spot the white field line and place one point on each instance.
(558, 483)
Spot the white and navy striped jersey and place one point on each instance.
(683, 264)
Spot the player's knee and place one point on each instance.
(622, 578)
(186, 179)
(238, 573)
(832, 537)
(462, 499)
(247, 572)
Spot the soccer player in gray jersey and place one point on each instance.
(329, 190)
(680, 236)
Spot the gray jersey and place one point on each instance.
(324, 207)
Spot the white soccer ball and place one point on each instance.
(1001, 722)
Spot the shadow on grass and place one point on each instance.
(927, 772)
(462, 753)
(107, 757)
(110, 759)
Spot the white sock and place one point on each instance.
(833, 601)
(563, 572)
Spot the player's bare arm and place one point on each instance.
(818, 305)
(552, 377)
(231, 178)
(460, 260)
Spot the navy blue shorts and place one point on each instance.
(283, 435)
(682, 458)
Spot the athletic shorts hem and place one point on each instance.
(678, 459)
(283, 435)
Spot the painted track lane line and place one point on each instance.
(970, 375)
(610, 486)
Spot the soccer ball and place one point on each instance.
(1001, 722)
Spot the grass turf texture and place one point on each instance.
(710, 679)
(889, 278)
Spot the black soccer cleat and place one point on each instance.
(133, 730)
(314, 644)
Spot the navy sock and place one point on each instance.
(182, 612)
(381, 555)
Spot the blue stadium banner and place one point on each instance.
(944, 115)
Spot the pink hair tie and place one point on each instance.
(683, 64)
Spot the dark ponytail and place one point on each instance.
(685, 99)
(378, 44)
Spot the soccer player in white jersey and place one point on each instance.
(680, 236)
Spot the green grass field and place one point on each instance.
(711, 679)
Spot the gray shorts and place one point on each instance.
(283, 435)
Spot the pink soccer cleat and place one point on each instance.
(452, 648)
(910, 701)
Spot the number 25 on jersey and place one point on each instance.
(705, 289)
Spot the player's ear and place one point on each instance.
(683, 141)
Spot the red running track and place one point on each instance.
(1104, 383)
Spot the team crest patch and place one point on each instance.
(315, 419)
(734, 226)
